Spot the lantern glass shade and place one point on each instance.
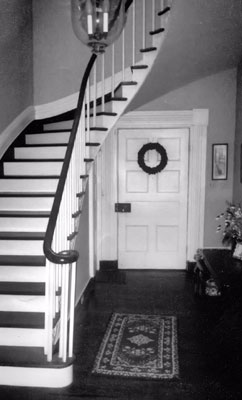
(98, 23)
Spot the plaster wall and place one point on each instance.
(16, 60)
(237, 194)
(59, 57)
(218, 94)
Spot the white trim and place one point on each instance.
(36, 377)
(91, 222)
(56, 107)
(12, 131)
(196, 121)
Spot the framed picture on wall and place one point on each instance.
(220, 161)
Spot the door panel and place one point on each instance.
(153, 235)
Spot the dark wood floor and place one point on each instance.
(209, 343)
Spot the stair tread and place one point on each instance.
(139, 66)
(27, 194)
(156, 31)
(19, 260)
(92, 144)
(35, 177)
(98, 128)
(31, 320)
(25, 214)
(22, 235)
(164, 11)
(29, 357)
(22, 288)
(30, 146)
(146, 50)
(42, 160)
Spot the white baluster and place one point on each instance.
(103, 82)
(113, 70)
(72, 309)
(144, 27)
(153, 15)
(123, 55)
(95, 93)
(134, 32)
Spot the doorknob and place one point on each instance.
(123, 207)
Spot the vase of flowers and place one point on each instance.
(231, 226)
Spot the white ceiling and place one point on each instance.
(203, 37)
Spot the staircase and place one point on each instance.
(38, 257)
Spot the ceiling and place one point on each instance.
(203, 38)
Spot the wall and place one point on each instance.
(218, 94)
(82, 246)
(237, 195)
(16, 59)
(59, 57)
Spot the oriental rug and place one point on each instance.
(139, 346)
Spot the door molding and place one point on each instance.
(196, 121)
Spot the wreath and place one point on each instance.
(141, 158)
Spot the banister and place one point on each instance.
(68, 256)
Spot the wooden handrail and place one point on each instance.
(68, 256)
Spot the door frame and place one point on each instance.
(196, 121)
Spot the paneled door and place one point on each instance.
(153, 234)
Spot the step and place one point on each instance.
(40, 152)
(22, 320)
(22, 337)
(115, 105)
(59, 125)
(28, 367)
(26, 203)
(26, 260)
(31, 184)
(48, 138)
(22, 303)
(32, 168)
(21, 329)
(21, 247)
(16, 273)
(97, 134)
(126, 89)
(103, 120)
(22, 223)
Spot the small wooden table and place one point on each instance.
(225, 270)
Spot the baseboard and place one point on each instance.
(108, 265)
(86, 292)
(15, 128)
(190, 266)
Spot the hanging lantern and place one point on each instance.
(98, 23)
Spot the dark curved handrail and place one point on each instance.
(68, 256)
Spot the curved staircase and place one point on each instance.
(42, 188)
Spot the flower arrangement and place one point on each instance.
(232, 229)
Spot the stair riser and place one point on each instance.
(26, 204)
(126, 91)
(59, 125)
(48, 138)
(21, 247)
(22, 303)
(103, 120)
(32, 168)
(111, 106)
(97, 136)
(22, 274)
(36, 377)
(39, 153)
(23, 224)
(139, 74)
(28, 185)
(22, 337)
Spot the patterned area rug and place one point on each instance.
(139, 346)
